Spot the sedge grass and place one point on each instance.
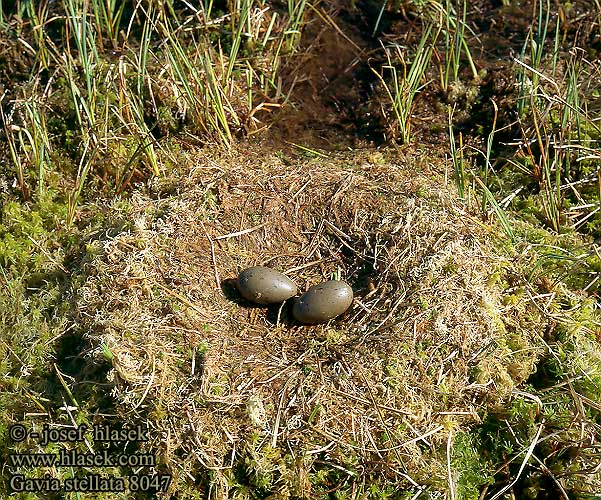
(37, 138)
(131, 114)
(17, 162)
(460, 175)
(404, 85)
(239, 28)
(38, 19)
(455, 41)
(108, 14)
(296, 12)
(180, 57)
(87, 51)
(457, 159)
(533, 51)
(117, 101)
(556, 122)
(28, 141)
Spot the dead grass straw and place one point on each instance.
(374, 393)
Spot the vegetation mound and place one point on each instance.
(432, 341)
(150, 151)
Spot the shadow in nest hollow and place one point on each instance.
(280, 313)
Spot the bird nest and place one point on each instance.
(233, 393)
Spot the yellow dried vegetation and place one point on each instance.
(436, 335)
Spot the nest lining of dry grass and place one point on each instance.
(422, 350)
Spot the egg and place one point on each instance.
(323, 302)
(264, 285)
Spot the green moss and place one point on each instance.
(470, 470)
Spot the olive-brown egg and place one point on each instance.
(323, 302)
(264, 285)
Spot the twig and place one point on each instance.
(300, 190)
(278, 417)
(48, 255)
(524, 462)
(217, 280)
(148, 386)
(383, 407)
(240, 233)
(450, 473)
(323, 448)
(544, 77)
(75, 424)
(65, 386)
(308, 264)
(548, 472)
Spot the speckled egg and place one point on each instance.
(323, 302)
(264, 285)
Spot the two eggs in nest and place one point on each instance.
(318, 304)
